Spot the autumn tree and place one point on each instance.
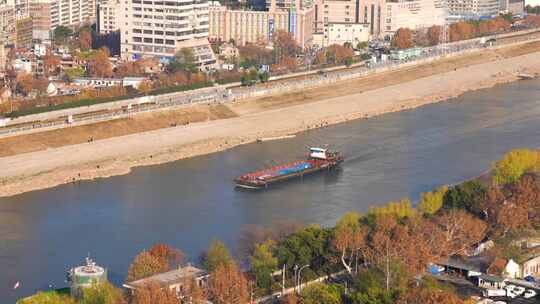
(153, 293)
(99, 64)
(129, 68)
(253, 55)
(263, 263)
(460, 31)
(421, 38)
(433, 34)
(168, 256)
(25, 83)
(145, 87)
(402, 39)
(461, 230)
(284, 45)
(145, 265)
(431, 202)
(85, 39)
(228, 285)
(423, 295)
(349, 240)
(51, 63)
(338, 54)
(217, 255)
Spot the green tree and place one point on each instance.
(310, 245)
(103, 293)
(431, 202)
(263, 263)
(48, 297)
(217, 255)
(362, 45)
(184, 60)
(513, 165)
(469, 196)
(61, 34)
(369, 286)
(320, 293)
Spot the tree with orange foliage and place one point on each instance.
(284, 45)
(129, 68)
(25, 83)
(153, 293)
(228, 285)
(145, 87)
(433, 34)
(461, 230)
(85, 39)
(338, 54)
(99, 64)
(350, 240)
(320, 57)
(402, 39)
(145, 265)
(170, 257)
(424, 295)
(461, 31)
(51, 63)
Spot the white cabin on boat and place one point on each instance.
(318, 153)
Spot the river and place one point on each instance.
(189, 202)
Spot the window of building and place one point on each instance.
(170, 42)
(148, 31)
(148, 40)
(137, 39)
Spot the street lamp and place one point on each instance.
(300, 277)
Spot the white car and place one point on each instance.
(519, 290)
(499, 302)
(510, 293)
(529, 294)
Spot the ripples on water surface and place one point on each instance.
(189, 202)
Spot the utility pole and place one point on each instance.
(283, 283)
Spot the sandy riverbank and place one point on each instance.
(117, 155)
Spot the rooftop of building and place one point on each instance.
(170, 277)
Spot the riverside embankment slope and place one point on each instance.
(114, 156)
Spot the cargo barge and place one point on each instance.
(318, 160)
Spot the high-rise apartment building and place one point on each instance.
(7, 22)
(246, 26)
(49, 14)
(107, 19)
(414, 14)
(163, 27)
(473, 8)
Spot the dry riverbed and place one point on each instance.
(42, 160)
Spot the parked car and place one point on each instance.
(519, 290)
(494, 293)
(529, 294)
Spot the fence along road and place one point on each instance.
(226, 93)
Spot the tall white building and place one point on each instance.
(414, 14)
(107, 18)
(162, 27)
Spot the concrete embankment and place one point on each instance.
(114, 156)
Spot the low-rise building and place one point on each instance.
(176, 280)
(100, 83)
(341, 33)
(24, 32)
